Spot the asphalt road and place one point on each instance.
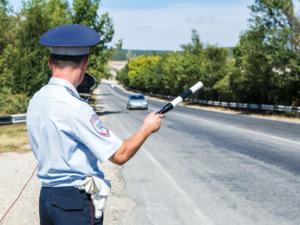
(209, 168)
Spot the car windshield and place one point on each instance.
(136, 97)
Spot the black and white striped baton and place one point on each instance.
(171, 105)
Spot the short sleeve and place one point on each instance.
(91, 132)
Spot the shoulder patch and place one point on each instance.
(99, 126)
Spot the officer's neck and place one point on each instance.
(72, 75)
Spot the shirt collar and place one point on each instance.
(63, 82)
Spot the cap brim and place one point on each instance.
(70, 51)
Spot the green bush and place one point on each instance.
(11, 103)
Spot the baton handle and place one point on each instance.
(171, 105)
(168, 107)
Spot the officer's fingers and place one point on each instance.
(157, 114)
(150, 115)
(161, 115)
(152, 120)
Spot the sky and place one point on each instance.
(167, 24)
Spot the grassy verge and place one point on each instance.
(13, 138)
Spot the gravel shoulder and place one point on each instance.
(15, 170)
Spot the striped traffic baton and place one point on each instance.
(171, 105)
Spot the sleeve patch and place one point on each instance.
(99, 126)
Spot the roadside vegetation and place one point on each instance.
(14, 138)
(263, 68)
(23, 61)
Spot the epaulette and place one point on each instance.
(74, 95)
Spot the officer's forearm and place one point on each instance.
(130, 146)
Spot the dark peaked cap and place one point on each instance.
(70, 39)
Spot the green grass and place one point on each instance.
(13, 138)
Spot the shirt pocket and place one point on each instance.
(66, 203)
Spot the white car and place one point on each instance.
(137, 101)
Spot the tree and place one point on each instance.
(7, 38)
(205, 63)
(216, 68)
(172, 70)
(35, 18)
(86, 12)
(139, 69)
(59, 12)
(267, 55)
(6, 22)
(23, 61)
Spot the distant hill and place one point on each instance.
(125, 54)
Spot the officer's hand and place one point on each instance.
(152, 122)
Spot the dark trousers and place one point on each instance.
(66, 206)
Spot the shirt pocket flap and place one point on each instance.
(66, 203)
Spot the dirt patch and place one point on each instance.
(14, 138)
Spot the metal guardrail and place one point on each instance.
(92, 99)
(12, 119)
(263, 107)
(238, 105)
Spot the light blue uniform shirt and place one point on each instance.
(66, 135)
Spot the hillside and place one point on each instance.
(125, 54)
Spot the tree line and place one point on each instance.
(262, 68)
(23, 61)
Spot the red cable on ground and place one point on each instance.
(22, 190)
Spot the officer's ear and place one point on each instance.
(50, 65)
(84, 62)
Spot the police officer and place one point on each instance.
(66, 135)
